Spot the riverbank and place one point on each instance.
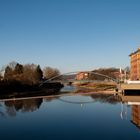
(17, 89)
(106, 88)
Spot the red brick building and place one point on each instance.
(135, 65)
(82, 76)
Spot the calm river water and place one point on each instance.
(69, 117)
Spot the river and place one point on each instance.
(81, 117)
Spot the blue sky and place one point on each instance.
(70, 35)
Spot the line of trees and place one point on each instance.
(28, 74)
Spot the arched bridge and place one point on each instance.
(79, 76)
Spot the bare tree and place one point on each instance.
(1, 77)
(32, 74)
(13, 72)
(49, 72)
(39, 73)
(8, 73)
(18, 69)
(12, 65)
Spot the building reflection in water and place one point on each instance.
(30, 105)
(123, 113)
(135, 114)
(134, 103)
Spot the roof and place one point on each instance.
(138, 50)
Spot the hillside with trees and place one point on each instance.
(110, 72)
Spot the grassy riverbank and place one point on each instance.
(108, 88)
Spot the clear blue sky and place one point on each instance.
(69, 34)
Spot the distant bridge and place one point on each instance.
(56, 78)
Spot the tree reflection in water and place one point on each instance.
(49, 99)
(11, 107)
(2, 114)
(27, 105)
(106, 98)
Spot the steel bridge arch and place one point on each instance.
(90, 72)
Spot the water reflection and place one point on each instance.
(51, 98)
(75, 100)
(124, 101)
(135, 113)
(123, 113)
(134, 102)
(23, 105)
(88, 99)
(68, 88)
(106, 98)
(11, 107)
(76, 116)
(33, 103)
(2, 114)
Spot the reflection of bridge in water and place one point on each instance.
(33, 103)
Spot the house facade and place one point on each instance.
(82, 76)
(135, 65)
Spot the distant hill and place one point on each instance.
(111, 72)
